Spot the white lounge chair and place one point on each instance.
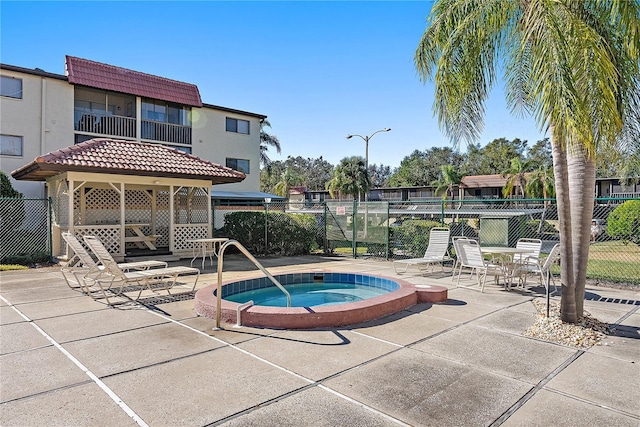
(112, 276)
(460, 256)
(471, 257)
(82, 263)
(436, 253)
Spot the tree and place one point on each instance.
(449, 179)
(349, 178)
(494, 157)
(6, 189)
(266, 141)
(423, 167)
(516, 176)
(573, 64)
(288, 179)
(379, 175)
(313, 173)
(540, 184)
(539, 155)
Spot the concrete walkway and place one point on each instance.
(69, 360)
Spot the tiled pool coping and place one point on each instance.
(401, 296)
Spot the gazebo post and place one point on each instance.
(122, 220)
(70, 196)
(171, 220)
(209, 211)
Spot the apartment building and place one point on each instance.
(41, 112)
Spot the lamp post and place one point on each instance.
(366, 140)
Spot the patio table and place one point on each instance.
(206, 246)
(139, 238)
(506, 258)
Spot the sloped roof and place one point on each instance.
(487, 181)
(108, 77)
(112, 156)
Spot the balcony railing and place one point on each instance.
(105, 124)
(166, 132)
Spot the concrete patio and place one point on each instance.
(69, 360)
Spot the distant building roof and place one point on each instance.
(243, 195)
(483, 181)
(108, 77)
(104, 155)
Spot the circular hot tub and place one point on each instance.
(319, 299)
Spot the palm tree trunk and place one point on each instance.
(568, 311)
(582, 179)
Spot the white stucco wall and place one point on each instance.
(43, 129)
(212, 142)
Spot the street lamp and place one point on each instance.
(366, 140)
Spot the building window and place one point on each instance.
(11, 87)
(241, 165)
(238, 126)
(10, 145)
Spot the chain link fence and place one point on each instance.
(387, 230)
(25, 226)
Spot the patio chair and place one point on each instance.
(471, 257)
(534, 245)
(436, 253)
(524, 270)
(457, 266)
(82, 263)
(112, 275)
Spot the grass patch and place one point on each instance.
(9, 267)
(615, 271)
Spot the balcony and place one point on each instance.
(105, 124)
(166, 132)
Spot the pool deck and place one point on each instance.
(66, 359)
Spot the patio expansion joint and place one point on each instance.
(311, 383)
(525, 398)
(46, 392)
(112, 395)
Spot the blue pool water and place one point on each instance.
(308, 294)
(309, 289)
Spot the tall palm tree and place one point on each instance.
(350, 177)
(516, 177)
(267, 140)
(450, 178)
(574, 65)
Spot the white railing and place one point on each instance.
(105, 124)
(166, 132)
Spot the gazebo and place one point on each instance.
(133, 196)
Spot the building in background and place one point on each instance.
(41, 112)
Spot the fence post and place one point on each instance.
(49, 228)
(442, 211)
(324, 221)
(354, 229)
(266, 226)
(386, 252)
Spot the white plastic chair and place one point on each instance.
(471, 257)
(436, 253)
(460, 256)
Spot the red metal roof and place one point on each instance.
(108, 77)
(104, 155)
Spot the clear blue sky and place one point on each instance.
(318, 70)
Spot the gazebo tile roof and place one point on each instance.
(105, 155)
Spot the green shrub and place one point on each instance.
(532, 228)
(26, 258)
(624, 222)
(412, 236)
(287, 234)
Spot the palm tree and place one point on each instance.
(540, 184)
(350, 177)
(287, 180)
(449, 179)
(574, 65)
(267, 140)
(516, 177)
